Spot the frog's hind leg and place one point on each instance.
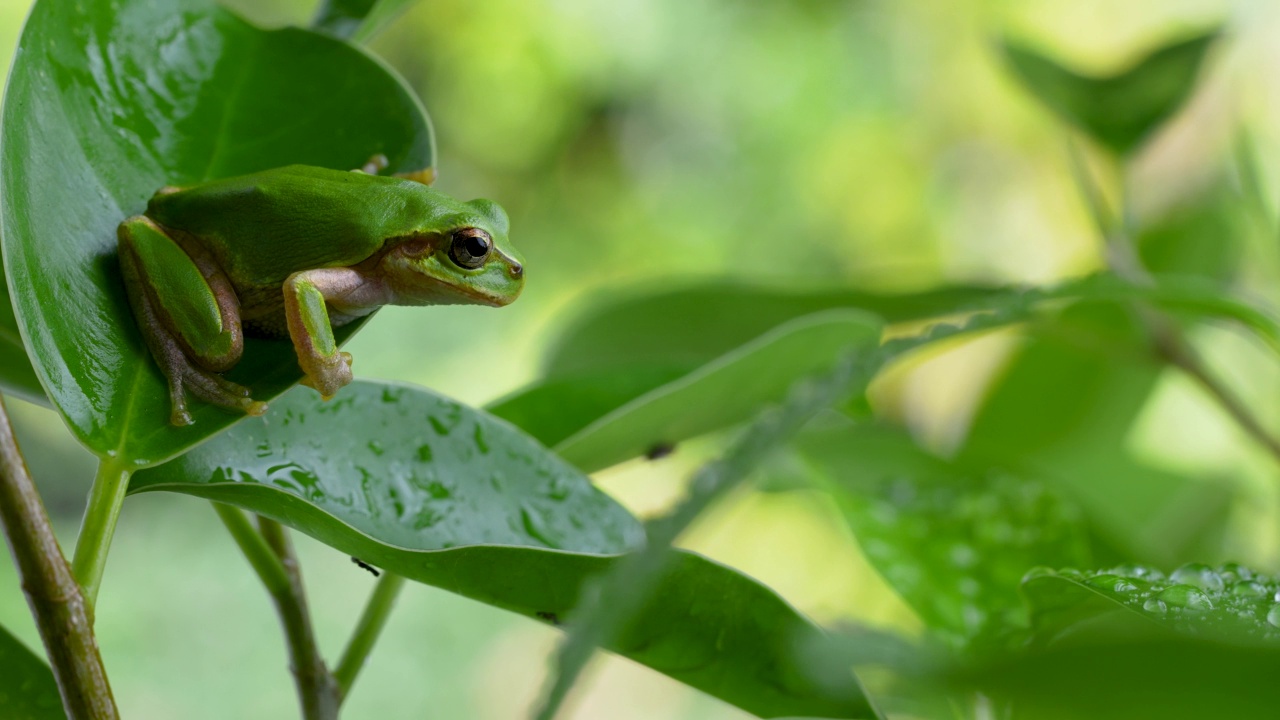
(188, 314)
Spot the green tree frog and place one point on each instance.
(294, 252)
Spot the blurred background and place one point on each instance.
(875, 143)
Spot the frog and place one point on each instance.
(294, 252)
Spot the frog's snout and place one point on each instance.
(515, 270)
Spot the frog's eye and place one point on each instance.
(470, 247)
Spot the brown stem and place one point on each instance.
(54, 596)
(1174, 348)
(318, 692)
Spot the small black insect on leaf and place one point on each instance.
(549, 617)
(660, 450)
(366, 566)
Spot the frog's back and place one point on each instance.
(263, 227)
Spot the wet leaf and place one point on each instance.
(1230, 602)
(106, 103)
(688, 327)
(1123, 110)
(954, 542)
(447, 495)
(27, 688)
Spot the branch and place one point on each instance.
(318, 692)
(60, 610)
(372, 620)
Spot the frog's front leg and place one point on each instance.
(188, 314)
(307, 297)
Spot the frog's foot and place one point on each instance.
(217, 390)
(379, 162)
(374, 165)
(331, 376)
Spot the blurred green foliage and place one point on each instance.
(873, 146)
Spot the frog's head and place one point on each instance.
(466, 260)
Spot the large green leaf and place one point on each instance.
(726, 391)
(1062, 413)
(953, 541)
(447, 495)
(690, 326)
(106, 103)
(1110, 677)
(1122, 110)
(27, 688)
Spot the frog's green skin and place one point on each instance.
(294, 252)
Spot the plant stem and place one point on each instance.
(1175, 349)
(372, 620)
(255, 548)
(99, 525)
(318, 692)
(60, 610)
(1167, 338)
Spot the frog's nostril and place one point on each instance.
(516, 270)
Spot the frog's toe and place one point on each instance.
(217, 390)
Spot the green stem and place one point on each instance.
(1168, 340)
(99, 525)
(256, 550)
(374, 618)
(317, 690)
(61, 613)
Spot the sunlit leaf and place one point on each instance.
(955, 542)
(1061, 412)
(724, 392)
(96, 119)
(447, 495)
(690, 326)
(1120, 111)
(27, 688)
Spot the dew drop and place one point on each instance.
(1197, 575)
(1186, 596)
(1249, 589)
(1273, 616)
(1155, 606)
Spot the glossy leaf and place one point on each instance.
(96, 119)
(406, 466)
(446, 495)
(1061, 413)
(688, 327)
(726, 391)
(1122, 110)
(27, 688)
(17, 377)
(1226, 602)
(954, 542)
